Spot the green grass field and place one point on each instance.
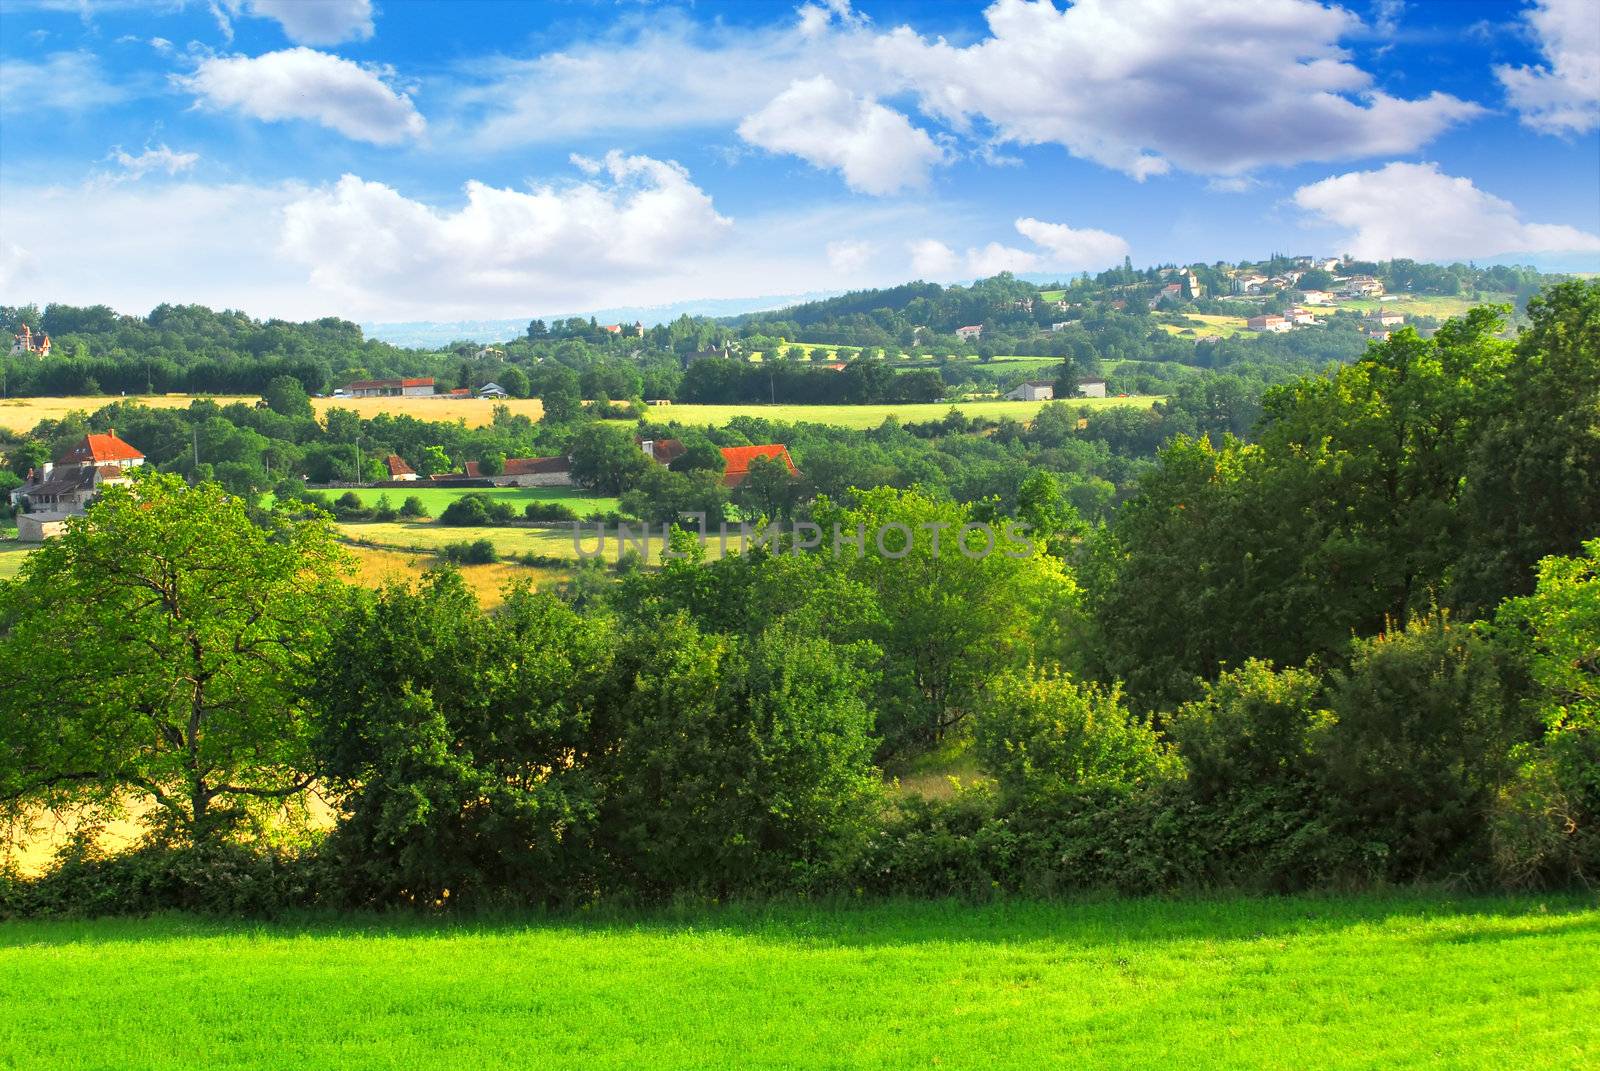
(429, 537)
(11, 555)
(437, 498)
(1413, 982)
(870, 416)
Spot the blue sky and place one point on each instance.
(407, 160)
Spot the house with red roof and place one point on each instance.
(391, 388)
(398, 469)
(737, 459)
(66, 486)
(526, 472)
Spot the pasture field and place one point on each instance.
(437, 498)
(11, 555)
(870, 416)
(376, 567)
(1052, 295)
(1212, 326)
(1438, 306)
(427, 537)
(1350, 982)
(21, 414)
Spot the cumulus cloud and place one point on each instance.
(1143, 85)
(1057, 248)
(302, 83)
(159, 158)
(60, 81)
(1417, 211)
(1562, 95)
(850, 256)
(373, 246)
(875, 148)
(313, 22)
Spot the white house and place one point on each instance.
(1316, 297)
(493, 390)
(1033, 390)
(1062, 326)
(1269, 322)
(969, 332)
(67, 485)
(1385, 318)
(1091, 388)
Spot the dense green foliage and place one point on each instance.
(1309, 657)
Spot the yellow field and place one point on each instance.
(21, 414)
(1213, 326)
(475, 412)
(423, 537)
(376, 567)
(870, 416)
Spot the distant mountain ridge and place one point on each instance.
(433, 333)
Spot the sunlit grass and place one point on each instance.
(1217, 983)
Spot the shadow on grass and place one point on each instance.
(1018, 923)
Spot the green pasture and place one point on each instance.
(1052, 295)
(870, 416)
(11, 555)
(1210, 326)
(553, 542)
(1437, 306)
(1301, 982)
(437, 498)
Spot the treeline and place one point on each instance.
(1363, 648)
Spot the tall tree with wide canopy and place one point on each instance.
(154, 654)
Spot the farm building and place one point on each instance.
(69, 483)
(391, 388)
(398, 469)
(37, 527)
(971, 331)
(1385, 318)
(662, 451)
(527, 472)
(737, 459)
(1034, 390)
(493, 390)
(1091, 388)
(1269, 322)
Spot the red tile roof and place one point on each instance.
(98, 449)
(533, 466)
(398, 467)
(376, 384)
(738, 458)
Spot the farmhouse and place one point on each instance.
(1268, 322)
(1316, 297)
(737, 461)
(971, 331)
(1249, 283)
(1301, 316)
(398, 469)
(1033, 390)
(527, 472)
(24, 342)
(1061, 325)
(1385, 318)
(69, 483)
(1361, 286)
(493, 390)
(1172, 291)
(391, 388)
(662, 451)
(1091, 388)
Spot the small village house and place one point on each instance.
(65, 487)
(1033, 390)
(398, 469)
(420, 387)
(1091, 388)
(737, 461)
(1269, 322)
(970, 332)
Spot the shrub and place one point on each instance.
(1252, 726)
(349, 507)
(383, 510)
(1043, 735)
(413, 507)
(1424, 722)
(549, 511)
(470, 552)
(476, 511)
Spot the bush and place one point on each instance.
(412, 507)
(470, 552)
(549, 511)
(383, 510)
(476, 511)
(1252, 726)
(349, 507)
(1424, 723)
(1045, 735)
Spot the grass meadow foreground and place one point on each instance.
(1296, 982)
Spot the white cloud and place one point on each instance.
(850, 256)
(61, 81)
(1058, 247)
(375, 248)
(875, 148)
(313, 22)
(159, 158)
(1142, 85)
(1562, 95)
(932, 259)
(302, 83)
(1417, 211)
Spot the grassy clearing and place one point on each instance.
(437, 498)
(1052, 295)
(1217, 983)
(557, 542)
(1211, 326)
(870, 416)
(11, 555)
(376, 567)
(1437, 306)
